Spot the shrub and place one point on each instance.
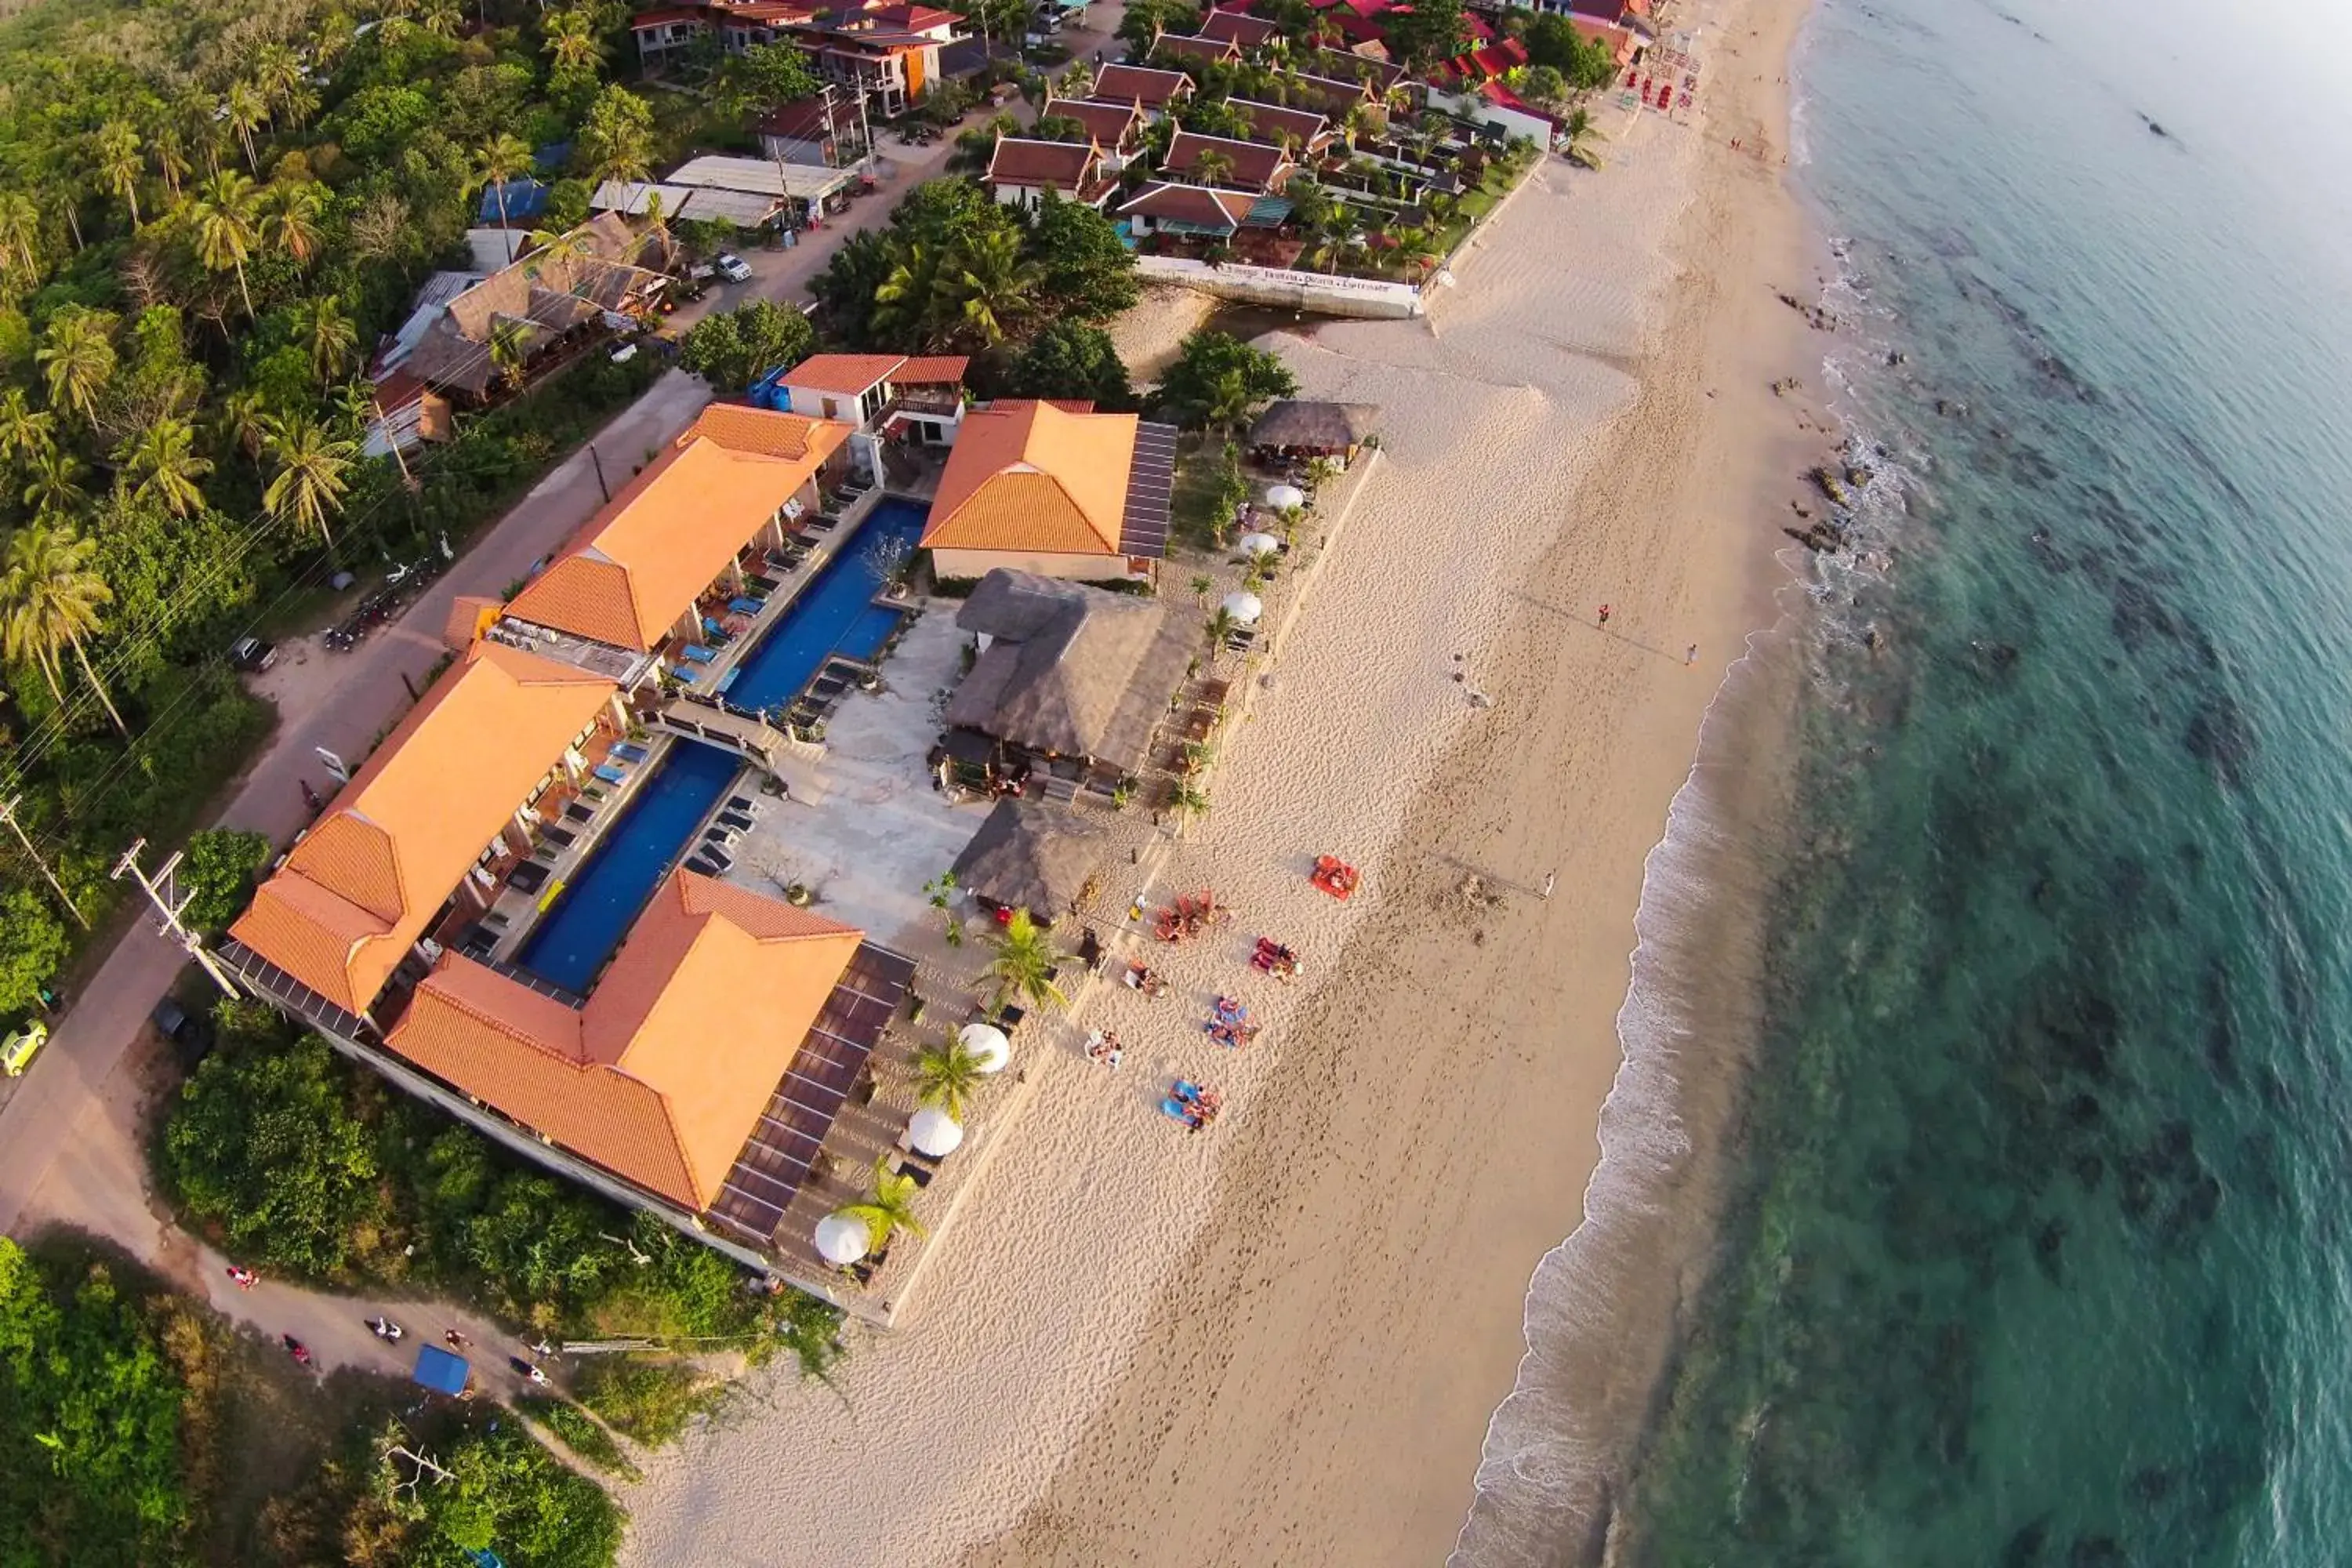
(651, 1402)
(581, 1434)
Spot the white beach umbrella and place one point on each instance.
(987, 1042)
(1243, 607)
(1282, 497)
(934, 1133)
(842, 1239)
(1259, 544)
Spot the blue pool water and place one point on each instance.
(585, 926)
(835, 613)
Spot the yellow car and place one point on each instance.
(16, 1051)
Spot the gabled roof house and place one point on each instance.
(1154, 92)
(1238, 165)
(1020, 171)
(1062, 494)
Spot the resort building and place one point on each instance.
(1032, 855)
(1220, 161)
(749, 193)
(1020, 172)
(888, 397)
(1369, 65)
(815, 131)
(536, 307)
(1239, 28)
(632, 581)
(1331, 96)
(1304, 131)
(1201, 212)
(1195, 50)
(1042, 489)
(688, 1051)
(1153, 92)
(1071, 681)
(1116, 127)
(890, 50)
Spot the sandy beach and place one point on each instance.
(1282, 1341)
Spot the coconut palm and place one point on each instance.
(1023, 962)
(510, 349)
(552, 246)
(52, 483)
(20, 233)
(1213, 167)
(171, 159)
(116, 150)
(286, 217)
(77, 357)
(26, 432)
(327, 335)
(441, 18)
(903, 300)
(313, 471)
(221, 215)
(888, 1209)
(1201, 583)
(49, 600)
(247, 420)
(503, 157)
(246, 111)
(277, 72)
(163, 466)
(1219, 627)
(989, 285)
(947, 1076)
(571, 40)
(1189, 799)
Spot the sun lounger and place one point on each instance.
(696, 653)
(745, 606)
(742, 803)
(712, 629)
(529, 877)
(562, 837)
(576, 812)
(719, 833)
(630, 752)
(610, 773)
(734, 819)
(766, 584)
(702, 867)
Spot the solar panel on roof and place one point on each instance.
(1143, 530)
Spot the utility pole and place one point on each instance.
(600, 474)
(168, 904)
(8, 815)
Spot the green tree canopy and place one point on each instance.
(1218, 382)
(1431, 31)
(730, 348)
(217, 874)
(1071, 360)
(1087, 272)
(33, 948)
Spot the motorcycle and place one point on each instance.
(297, 1349)
(384, 1329)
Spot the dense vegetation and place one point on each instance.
(209, 212)
(958, 270)
(299, 1163)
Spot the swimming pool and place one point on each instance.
(835, 613)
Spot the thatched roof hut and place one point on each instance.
(1032, 857)
(1296, 428)
(1069, 670)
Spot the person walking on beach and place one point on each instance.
(1690, 654)
(1604, 615)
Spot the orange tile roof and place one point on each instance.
(469, 616)
(848, 374)
(663, 1075)
(933, 370)
(643, 561)
(363, 883)
(1035, 478)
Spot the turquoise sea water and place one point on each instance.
(2036, 1243)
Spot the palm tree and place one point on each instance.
(327, 334)
(119, 163)
(77, 357)
(1219, 627)
(1189, 799)
(1212, 167)
(247, 420)
(1201, 583)
(503, 157)
(571, 40)
(991, 285)
(313, 471)
(52, 486)
(171, 159)
(248, 111)
(888, 1209)
(20, 233)
(552, 247)
(277, 72)
(165, 466)
(49, 600)
(903, 300)
(286, 216)
(510, 349)
(1024, 961)
(442, 18)
(947, 1076)
(26, 432)
(221, 213)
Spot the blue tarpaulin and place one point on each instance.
(441, 1372)
(524, 199)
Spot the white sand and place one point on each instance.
(1082, 1254)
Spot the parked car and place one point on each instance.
(190, 1034)
(17, 1050)
(731, 267)
(253, 654)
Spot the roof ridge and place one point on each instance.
(489, 1019)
